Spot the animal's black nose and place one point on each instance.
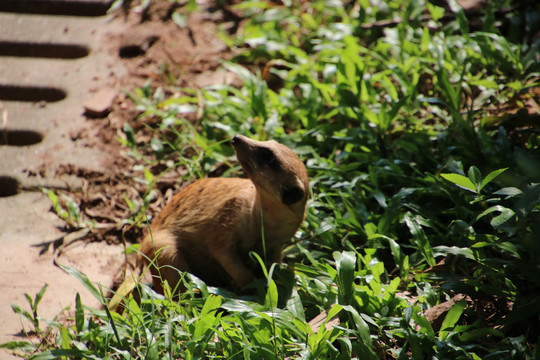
(236, 140)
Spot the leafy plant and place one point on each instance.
(33, 316)
(415, 127)
(67, 209)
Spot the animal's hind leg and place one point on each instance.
(170, 272)
(160, 251)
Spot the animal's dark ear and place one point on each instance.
(265, 156)
(292, 195)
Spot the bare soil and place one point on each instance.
(152, 48)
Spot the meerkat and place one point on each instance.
(210, 227)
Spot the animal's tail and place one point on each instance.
(128, 285)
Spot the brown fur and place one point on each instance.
(213, 224)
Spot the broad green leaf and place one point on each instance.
(52, 197)
(18, 345)
(416, 347)
(472, 335)
(39, 295)
(502, 218)
(212, 303)
(451, 319)
(509, 192)
(480, 244)
(56, 205)
(79, 313)
(345, 349)
(345, 264)
(505, 215)
(363, 332)
(475, 176)
(69, 353)
(399, 258)
(65, 338)
(377, 270)
(436, 12)
(492, 175)
(420, 238)
(461, 181)
(29, 300)
(130, 135)
(379, 196)
(454, 250)
(73, 208)
(424, 324)
(153, 353)
(18, 310)
(334, 310)
(271, 299)
(295, 306)
(392, 287)
(85, 281)
(207, 318)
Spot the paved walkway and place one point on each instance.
(49, 66)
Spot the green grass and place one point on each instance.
(424, 170)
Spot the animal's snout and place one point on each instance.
(237, 139)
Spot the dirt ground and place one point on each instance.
(153, 48)
(150, 46)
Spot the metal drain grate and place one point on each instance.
(55, 51)
(8, 186)
(31, 93)
(20, 137)
(56, 7)
(37, 57)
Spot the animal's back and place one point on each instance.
(205, 224)
(205, 205)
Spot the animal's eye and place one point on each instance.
(266, 156)
(291, 195)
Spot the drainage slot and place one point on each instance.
(20, 137)
(8, 186)
(57, 7)
(30, 93)
(57, 51)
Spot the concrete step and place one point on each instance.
(39, 29)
